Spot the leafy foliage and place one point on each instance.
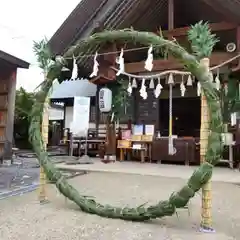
(202, 40)
(231, 100)
(43, 54)
(23, 106)
(120, 97)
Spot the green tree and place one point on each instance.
(23, 106)
(43, 54)
(25, 100)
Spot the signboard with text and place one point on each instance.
(81, 110)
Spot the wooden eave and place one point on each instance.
(215, 27)
(172, 64)
(13, 61)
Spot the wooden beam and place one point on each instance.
(170, 14)
(172, 64)
(237, 68)
(215, 27)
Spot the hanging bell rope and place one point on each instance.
(171, 149)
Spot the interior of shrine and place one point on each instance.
(186, 116)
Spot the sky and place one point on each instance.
(25, 21)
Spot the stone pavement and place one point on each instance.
(220, 174)
(23, 175)
(19, 175)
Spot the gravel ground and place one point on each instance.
(23, 218)
(23, 172)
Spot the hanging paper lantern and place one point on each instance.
(134, 83)
(120, 61)
(149, 61)
(105, 99)
(189, 81)
(151, 84)
(95, 66)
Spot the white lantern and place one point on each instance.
(105, 99)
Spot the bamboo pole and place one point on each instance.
(206, 213)
(42, 177)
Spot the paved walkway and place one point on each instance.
(150, 169)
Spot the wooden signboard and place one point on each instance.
(147, 138)
(124, 144)
(126, 135)
(136, 138)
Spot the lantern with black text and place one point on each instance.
(105, 100)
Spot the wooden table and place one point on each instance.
(125, 145)
(82, 141)
(146, 149)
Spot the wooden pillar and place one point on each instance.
(170, 21)
(64, 115)
(10, 115)
(237, 68)
(97, 116)
(110, 153)
(135, 106)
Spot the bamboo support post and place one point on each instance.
(42, 177)
(206, 213)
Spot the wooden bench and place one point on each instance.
(95, 141)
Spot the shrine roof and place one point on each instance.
(92, 16)
(73, 88)
(19, 63)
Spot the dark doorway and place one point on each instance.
(186, 116)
